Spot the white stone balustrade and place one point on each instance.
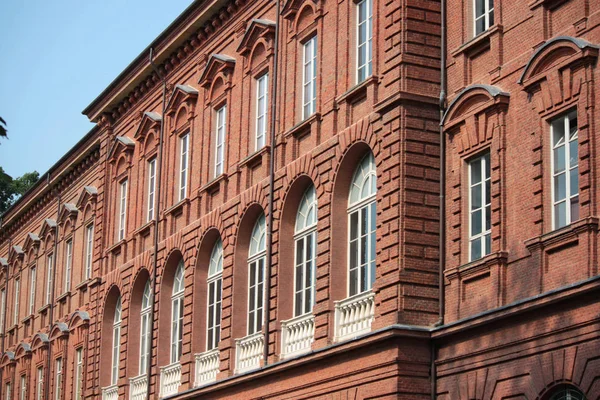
(207, 367)
(110, 392)
(248, 352)
(353, 316)
(170, 379)
(297, 335)
(138, 387)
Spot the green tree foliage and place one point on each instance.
(11, 189)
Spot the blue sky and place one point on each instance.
(55, 58)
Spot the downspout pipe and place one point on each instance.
(442, 205)
(271, 189)
(52, 290)
(156, 216)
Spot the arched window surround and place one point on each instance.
(305, 252)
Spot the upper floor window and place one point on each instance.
(565, 170)
(220, 131)
(32, 289)
(39, 384)
(484, 15)
(151, 188)
(49, 277)
(256, 272)
(8, 391)
(362, 220)
(183, 165)
(17, 296)
(116, 344)
(58, 379)
(23, 394)
(305, 240)
(78, 373)
(215, 283)
(145, 329)
(177, 314)
(261, 110)
(68, 263)
(480, 207)
(122, 209)
(2, 309)
(89, 247)
(567, 392)
(309, 78)
(364, 37)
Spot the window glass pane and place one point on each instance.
(573, 153)
(491, 17)
(353, 254)
(364, 279)
(575, 208)
(488, 243)
(475, 171)
(480, 25)
(353, 282)
(479, 7)
(560, 214)
(476, 249)
(364, 224)
(363, 250)
(560, 187)
(488, 218)
(559, 159)
(558, 132)
(574, 181)
(476, 223)
(476, 197)
(353, 225)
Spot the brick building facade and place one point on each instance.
(256, 213)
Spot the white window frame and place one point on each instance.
(256, 262)
(145, 329)
(89, 250)
(184, 142)
(487, 13)
(262, 96)
(78, 373)
(39, 391)
(177, 310)
(122, 210)
(570, 199)
(68, 263)
(17, 296)
(116, 343)
(58, 378)
(305, 232)
(214, 284)
(2, 309)
(32, 289)
(309, 83)
(367, 43)
(485, 183)
(49, 277)
(151, 189)
(220, 135)
(23, 392)
(8, 391)
(367, 204)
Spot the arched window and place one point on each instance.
(145, 328)
(177, 314)
(305, 243)
(361, 218)
(567, 392)
(256, 272)
(114, 375)
(214, 283)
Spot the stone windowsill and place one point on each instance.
(178, 207)
(215, 184)
(358, 91)
(477, 44)
(564, 236)
(303, 127)
(477, 266)
(549, 4)
(63, 297)
(255, 158)
(144, 230)
(27, 319)
(116, 246)
(44, 308)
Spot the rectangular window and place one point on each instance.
(151, 188)
(480, 206)
(220, 141)
(261, 110)
(484, 15)
(39, 385)
(2, 309)
(144, 341)
(58, 380)
(23, 394)
(183, 166)
(68, 264)
(214, 312)
(122, 210)
(309, 78)
(305, 265)
(17, 295)
(116, 353)
(177, 328)
(364, 37)
(565, 170)
(255, 295)
(89, 247)
(362, 248)
(49, 277)
(8, 392)
(32, 290)
(78, 373)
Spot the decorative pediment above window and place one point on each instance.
(88, 194)
(3, 263)
(79, 318)
(31, 241)
(559, 71)
(68, 212)
(257, 30)
(150, 122)
(291, 8)
(8, 358)
(217, 65)
(475, 115)
(59, 329)
(15, 253)
(181, 107)
(122, 144)
(22, 350)
(48, 226)
(39, 340)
